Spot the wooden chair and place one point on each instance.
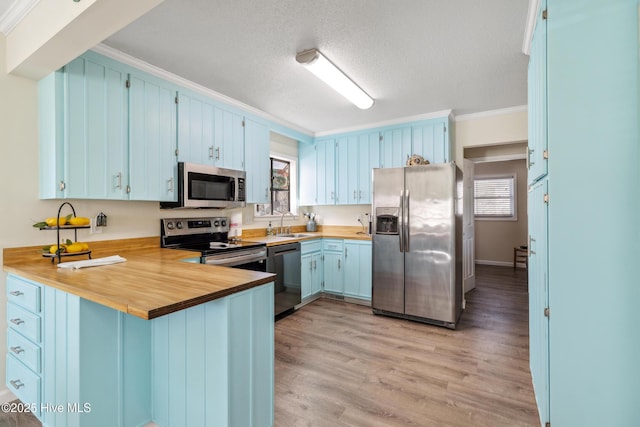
(521, 254)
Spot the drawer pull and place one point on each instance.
(17, 349)
(16, 293)
(17, 321)
(16, 384)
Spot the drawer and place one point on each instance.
(333, 245)
(23, 350)
(23, 383)
(23, 293)
(23, 321)
(310, 246)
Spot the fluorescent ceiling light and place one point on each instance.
(319, 65)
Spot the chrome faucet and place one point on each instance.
(281, 230)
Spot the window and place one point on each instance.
(283, 188)
(495, 198)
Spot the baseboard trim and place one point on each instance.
(6, 395)
(496, 263)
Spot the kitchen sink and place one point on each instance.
(296, 235)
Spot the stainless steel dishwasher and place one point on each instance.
(284, 261)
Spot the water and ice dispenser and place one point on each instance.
(387, 220)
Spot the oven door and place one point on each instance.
(248, 259)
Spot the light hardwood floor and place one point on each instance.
(337, 364)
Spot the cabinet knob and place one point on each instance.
(17, 349)
(17, 321)
(16, 293)
(16, 384)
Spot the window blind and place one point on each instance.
(494, 197)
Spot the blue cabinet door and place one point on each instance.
(346, 160)
(368, 158)
(317, 275)
(306, 275)
(365, 270)
(326, 172)
(95, 120)
(351, 268)
(196, 142)
(396, 147)
(539, 296)
(333, 272)
(537, 108)
(230, 145)
(430, 141)
(308, 174)
(152, 139)
(257, 162)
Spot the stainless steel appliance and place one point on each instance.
(209, 238)
(203, 186)
(417, 243)
(284, 261)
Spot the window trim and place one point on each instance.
(514, 200)
(293, 186)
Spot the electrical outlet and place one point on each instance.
(94, 229)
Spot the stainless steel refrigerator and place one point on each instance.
(417, 243)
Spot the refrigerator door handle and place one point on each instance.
(401, 225)
(405, 221)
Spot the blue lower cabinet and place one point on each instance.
(357, 269)
(311, 267)
(207, 365)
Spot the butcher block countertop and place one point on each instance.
(151, 283)
(324, 232)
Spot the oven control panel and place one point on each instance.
(184, 226)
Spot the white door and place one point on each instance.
(468, 239)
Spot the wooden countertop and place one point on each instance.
(151, 283)
(324, 232)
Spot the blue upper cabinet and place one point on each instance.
(230, 141)
(346, 170)
(368, 158)
(152, 138)
(326, 167)
(395, 147)
(257, 149)
(196, 142)
(537, 110)
(307, 171)
(83, 130)
(430, 140)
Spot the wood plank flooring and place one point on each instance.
(337, 364)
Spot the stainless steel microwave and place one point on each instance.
(204, 186)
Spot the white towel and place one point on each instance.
(92, 262)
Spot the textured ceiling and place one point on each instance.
(412, 56)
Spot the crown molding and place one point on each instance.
(491, 113)
(125, 58)
(427, 116)
(530, 26)
(18, 10)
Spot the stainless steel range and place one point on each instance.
(210, 238)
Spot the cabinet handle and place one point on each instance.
(332, 198)
(17, 321)
(211, 152)
(355, 197)
(339, 264)
(315, 266)
(346, 251)
(62, 185)
(16, 384)
(531, 251)
(119, 185)
(360, 194)
(17, 349)
(266, 192)
(310, 265)
(529, 162)
(170, 185)
(218, 149)
(16, 293)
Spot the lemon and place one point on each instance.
(79, 220)
(54, 248)
(75, 247)
(85, 246)
(52, 222)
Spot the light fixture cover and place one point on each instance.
(324, 69)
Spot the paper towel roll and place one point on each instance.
(235, 224)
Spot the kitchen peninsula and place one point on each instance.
(151, 339)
